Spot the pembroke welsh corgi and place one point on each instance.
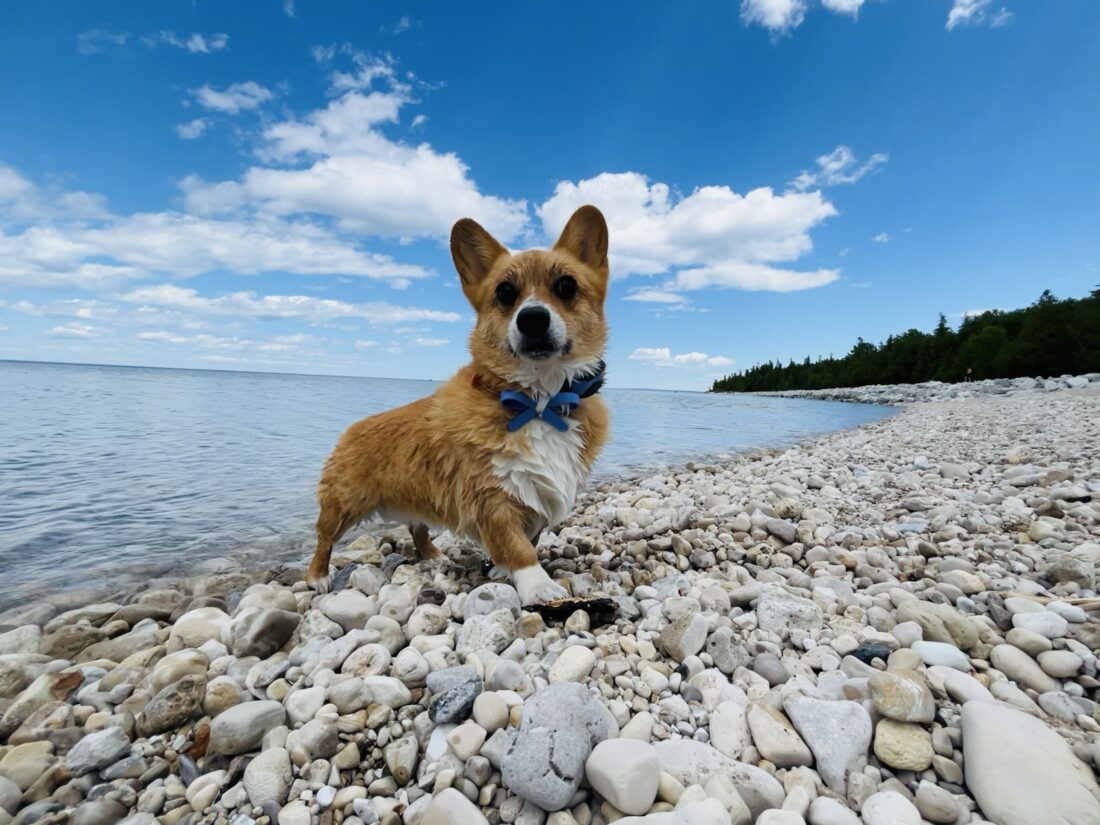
(500, 451)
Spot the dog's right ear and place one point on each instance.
(474, 251)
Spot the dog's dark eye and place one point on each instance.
(565, 287)
(507, 293)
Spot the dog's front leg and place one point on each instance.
(509, 547)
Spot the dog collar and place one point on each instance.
(558, 408)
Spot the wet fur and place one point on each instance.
(443, 460)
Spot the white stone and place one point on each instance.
(573, 665)
(625, 773)
(451, 807)
(941, 653)
(729, 729)
(826, 811)
(1021, 772)
(1045, 623)
(889, 808)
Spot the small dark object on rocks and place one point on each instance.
(430, 595)
(599, 608)
(868, 652)
(343, 576)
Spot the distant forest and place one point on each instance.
(1050, 337)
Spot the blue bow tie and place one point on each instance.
(557, 409)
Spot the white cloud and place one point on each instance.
(75, 331)
(365, 344)
(195, 43)
(882, 237)
(664, 357)
(839, 166)
(418, 121)
(430, 342)
(974, 313)
(752, 277)
(205, 341)
(193, 128)
(337, 162)
(3, 327)
(71, 238)
(654, 296)
(100, 39)
(977, 13)
(713, 237)
(778, 16)
(233, 99)
(304, 307)
(851, 7)
(288, 8)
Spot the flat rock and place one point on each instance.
(1021, 772)
(97, 750)
(558, 728)
(692, 763)
(240, 728)
(838, 733)
(780, 611)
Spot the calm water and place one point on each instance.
(110, 475)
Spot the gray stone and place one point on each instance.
(262, 632)
(489, 598)
(691, 763)
(684, 637)
(241, 728)
(489, 631)
(98, 750)
(838, 733)
(267, 778)
(454, 690)
(779, 611)
(558, 728)
(173, 706)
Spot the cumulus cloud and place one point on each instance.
(664, 357)
(977, 13)
(206, 341)
(233, 99)
(51, 238)
(303, 307)
(193, 128)
(337, 162)
(838, 166)
(778, 16)
(712, 237)
(882, 237)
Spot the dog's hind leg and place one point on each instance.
(332, 523)
(422, 541)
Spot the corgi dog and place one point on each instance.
(499, 452)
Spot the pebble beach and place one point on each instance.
(891, 625)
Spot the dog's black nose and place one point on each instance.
(533, 321)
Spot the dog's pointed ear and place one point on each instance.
(474, 252)
(585, 238)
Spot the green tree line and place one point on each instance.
(1051, 337)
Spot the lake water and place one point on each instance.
(109, 475)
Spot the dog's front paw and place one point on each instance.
(535, 586)
(322, 584)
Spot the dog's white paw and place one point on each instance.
(535, 586)
(322, 584)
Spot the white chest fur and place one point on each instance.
(543, 468)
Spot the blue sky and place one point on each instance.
(270, 185)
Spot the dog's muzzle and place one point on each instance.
(537, 331)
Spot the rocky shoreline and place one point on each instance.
(939, 391)
(892, 625)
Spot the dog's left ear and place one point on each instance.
(474, 252)
(585, 238)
